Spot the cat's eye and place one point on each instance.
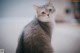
(67, 11)
(50, 10)
(43, 12)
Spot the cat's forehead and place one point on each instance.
(47, 6)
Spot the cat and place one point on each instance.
(36, 36)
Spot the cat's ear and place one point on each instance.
(50, 2)
(36, 7)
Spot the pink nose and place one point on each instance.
(47, 14)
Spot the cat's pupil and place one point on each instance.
(50, 10)
(43, 12)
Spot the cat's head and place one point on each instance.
(45, 12)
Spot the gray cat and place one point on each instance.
(36, 36)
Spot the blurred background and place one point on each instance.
(15, 14)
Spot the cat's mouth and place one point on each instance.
(48, 16)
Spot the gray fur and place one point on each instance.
(36, 36)
(35, 39)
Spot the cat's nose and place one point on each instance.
(47, 14)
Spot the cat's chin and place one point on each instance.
(44, 19)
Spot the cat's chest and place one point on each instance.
(52, 38)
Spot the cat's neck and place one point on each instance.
(46, 26)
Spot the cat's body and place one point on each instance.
(36, 36)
